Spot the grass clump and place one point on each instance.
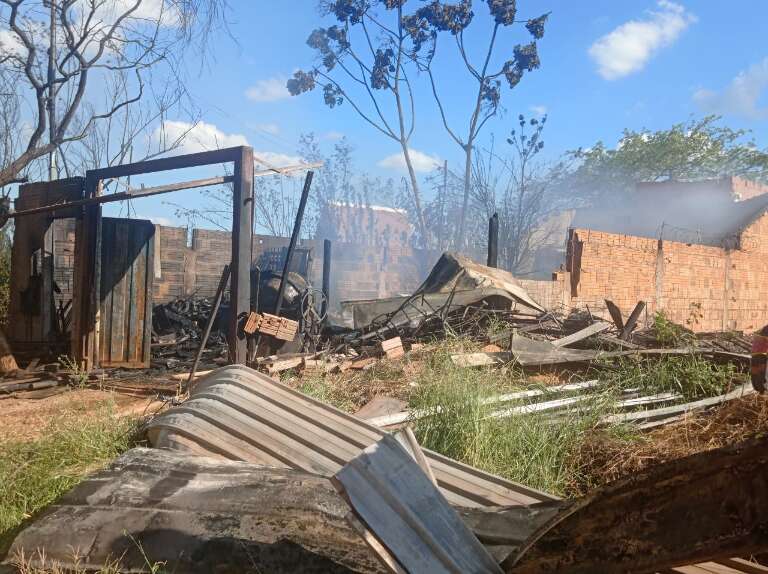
(532, 448)
(670, 334)
(35, 473)
(691, 376)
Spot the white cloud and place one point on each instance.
(741, 96)
(204, 137)
(270, 90)
(422, 163)
(333, 135)
(156, 220)
(201, 136)
(629, 47)
(539, 110)
(272, 129)
(268, 159)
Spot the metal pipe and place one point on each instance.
(493, 241)
(294, 241)
(326, 277)
(209, 324)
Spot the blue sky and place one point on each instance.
(605, 66)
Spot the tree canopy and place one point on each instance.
(688, 151)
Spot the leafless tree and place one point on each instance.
(126, 45)
(517, 187)
(370, 72)
(425, 27)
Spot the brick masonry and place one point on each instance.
(704, 287)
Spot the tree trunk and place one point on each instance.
(421, 224)
(465, 201)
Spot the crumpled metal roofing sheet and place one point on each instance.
(241, 414)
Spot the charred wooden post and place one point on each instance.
(294, 241)
(209, 324)
(326, 277)
(242, 245)
(493, 241)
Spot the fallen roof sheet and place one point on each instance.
(196, 514)
(241, 414)
(455, 279)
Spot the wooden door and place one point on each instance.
(124, 323)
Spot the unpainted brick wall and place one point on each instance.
(703, 287)
(357, 271)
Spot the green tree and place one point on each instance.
(688, 151)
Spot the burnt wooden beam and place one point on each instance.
(493, 241)
(242, 246)
(124, 195)
(706, 507)
(629, 326)
(226, 155)
(294, 240)
(615, 313)
(327, 255)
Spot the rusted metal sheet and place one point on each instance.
(238, 413)
(125, 303)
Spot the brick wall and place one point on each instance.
(704, 287)
(357, 271)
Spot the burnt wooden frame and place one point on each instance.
(85, 336)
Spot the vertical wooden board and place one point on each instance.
(135, 294)
(149, 296)
(120, 293)
(105, 296)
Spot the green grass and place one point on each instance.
(532, 449)
(691, 376)
(35, 473)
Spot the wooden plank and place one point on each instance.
(396, 500)
(252, 323)
(615, 313)
(149, 297)
(582, 334)
(629, 326)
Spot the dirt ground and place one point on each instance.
(26, 419)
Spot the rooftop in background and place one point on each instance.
(710, 212)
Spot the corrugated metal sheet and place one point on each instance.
(241, 414)
(125, 308)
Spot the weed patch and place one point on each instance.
(35, 473)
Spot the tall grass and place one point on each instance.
(35, 473)
(533, 448)
(692, 376)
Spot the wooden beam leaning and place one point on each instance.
(242, 245)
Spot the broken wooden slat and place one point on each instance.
(363, 364)
(615, 313)
(629, 326)
(395, 500)
(584, 333)
(285, 364)
(278, 327)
